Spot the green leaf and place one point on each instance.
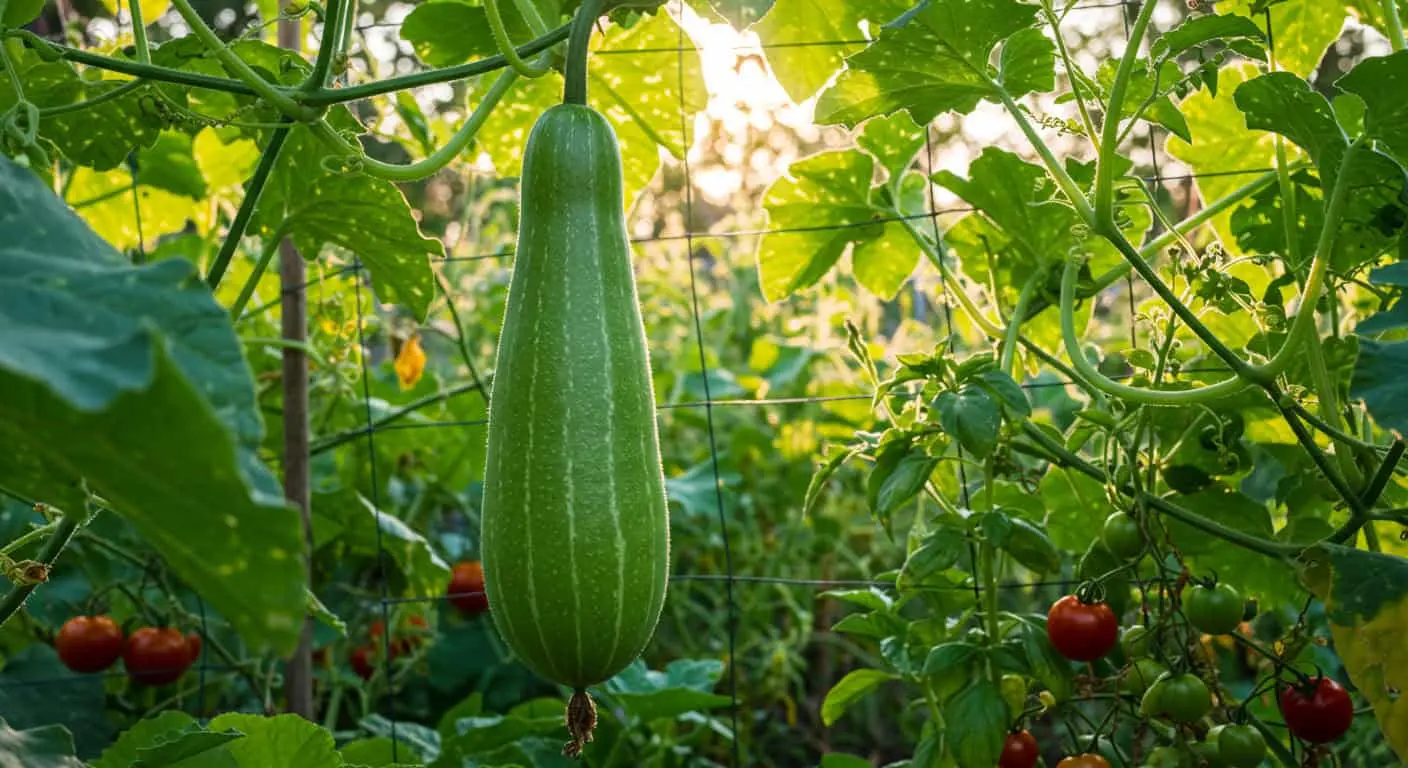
(170, 164)
(370, 217)
(899, 475)
(1030, 546)
(939, 552)
(1302, 29)
(883, 264)
(129, 381)
(414, 739)
(870, 598)
(1048, 667)
(48, 746)
(1256, 575)
(893, 141)
(1196, 30)
(1002, 386)
(449, 32)
(1146, 83)
(1076, 508)
(1027, 63)
(478, 735)
(190, 747)
(843, 760)
(972, 417)
(977, 723)
(815, 212)
(277, 740)
(1223, 144)
(1381, 81)
(790, 31)
(856, 685)
(950, 659)
(1366, 601)
(144, 733)
(1286, 104)
(644, 112)
(372, 753)
(1381, 381)
(741, 14)
(954, 38)
(356, 523)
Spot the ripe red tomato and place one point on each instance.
(408, 638)
(89, 643)
(193, 642)
(1086, 760)
(362, 661)
(157, 656)
(1082, 631)
(1320, 713)
(466, 588)
(1019, 751)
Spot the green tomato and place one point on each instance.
(1206, 753)
(1182, 698)
(1135, 641)
(1140, 675)
(1014, 692)
(1241, 746)
(1122, 536)
(1216, 611)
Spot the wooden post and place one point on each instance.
(298, 671)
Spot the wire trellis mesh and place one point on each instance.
(729, 579)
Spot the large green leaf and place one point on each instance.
(1302, 29)
(448, 32)
(892, 141)
(129, 382)
(954, 39)
(144, 734)
(977, 724)
(1382, 82)
(1381, 381)
(1366, 600)
(1076, 507)
(856, 685)
(815, 213)
(807, 41)
(1286, 104)
(278, 740)
(48, 746)
(643, 111)
(370, 217)
(1256, 575)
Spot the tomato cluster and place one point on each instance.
(151, 655)
(409, 636)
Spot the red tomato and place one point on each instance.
(362, 661)
(1320, 713)
(409, 637)
(1082, 631)
(193, 642)
(1019, 751)
(89, 643)
(156, 656)
(466, 588)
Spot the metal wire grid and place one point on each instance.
(729, 579)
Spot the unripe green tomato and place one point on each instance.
(1138, 676)
(1182, 698)
(1014, 692)
(1122, 536)
(1216, 611)
(1207, 755)
(1241, 746)
(1135, 641)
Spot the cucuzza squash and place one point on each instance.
(575, 528)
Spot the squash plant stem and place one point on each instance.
(578, 46)
(68, 525)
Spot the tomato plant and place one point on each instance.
(1318, 711)
(1019, 750)
(89, 643)
(156, 655)
(1082, 631)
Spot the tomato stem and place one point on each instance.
(63, 531)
